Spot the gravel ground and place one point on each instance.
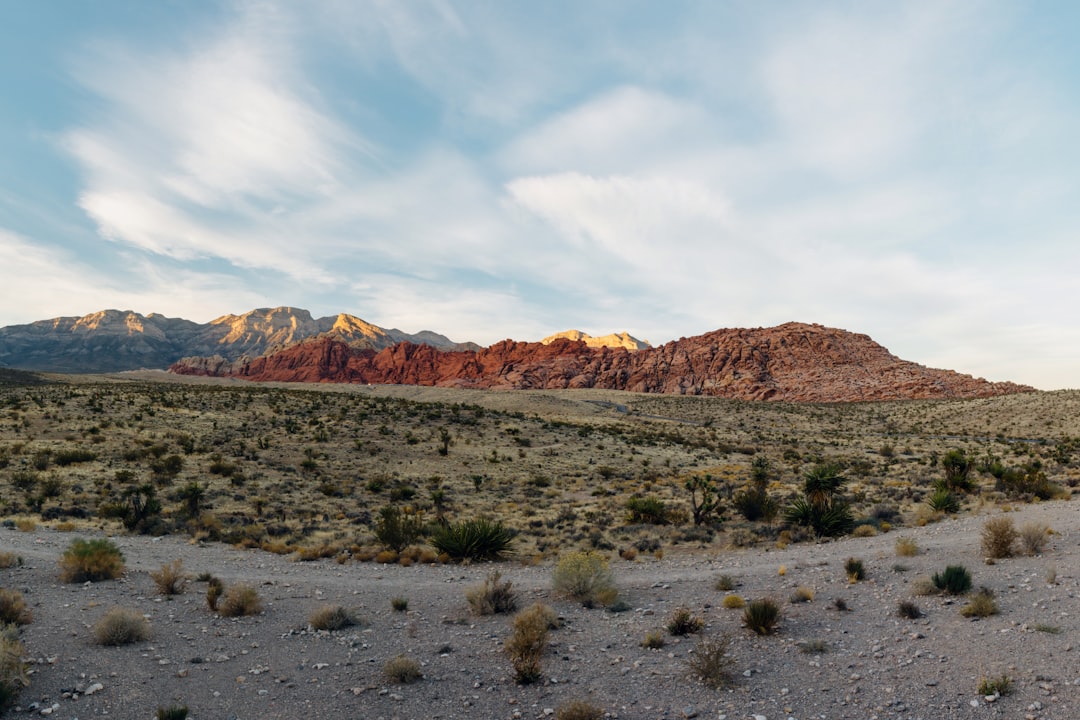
(875, 664)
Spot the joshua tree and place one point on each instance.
(819, 507)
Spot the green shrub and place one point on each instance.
(724, 583)
(761, 616)
(331, 617)
(998, 535)
(943, 500)
(492, 597)
(854, 569)
(402, 670)
(955, 580)
(399, 604)
(13, 610)
(91, 561)
(1001, 685)
(683, 622)
(396, 530)
(586, 577)
(710, 662)
(908, 610)
(121, 626)
(528, 641)
(479, 539)
(649, 510)
(240, 600)
(70, 457)
(173, 712)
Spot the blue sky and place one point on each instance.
(511, 169)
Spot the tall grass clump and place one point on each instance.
(91, 561)
(998, 535)
(955, 580)
(683, 622)
(761, 616)
(172, 712)
(170, 578)
(479, 539)
(121, 626)
(402, 670)
(240, 601)
(528, 641)
(1033, 536)
(331, 617)
(906, 547)
(578, 710)
(585, 577)
(494, 596)
(981, 605)
(13, 610)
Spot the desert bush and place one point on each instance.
(998, 536)
(13, 671)
(170, 579)
(840, 604)
(331, 617)
(761, 616)
(864, 530)
(908, 610)
(402, 670)
(957, 466)
(1001, 685)
(802, 594)
(64, 458)
(649, 510)
(654, 640)
(91, 561)
(13, 610)
(214, 589)
(26, 524)
(240, 600)
(906, 547)
(479, 539)
(724, 583)
(173, 712)
(855, 569)
(943, 500)
(396, 530)
(733, 602)
(815, 646)
(586, 577)
(528, 641)
(492, 597)
(710, 662)
(9, 559)
(578, 710)
(955, 580)
(1033, 537)
(399, 604)
(121, 626)
(981, 605)
(683, 622)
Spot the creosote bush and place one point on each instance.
(761, 616)
(331, 617)
(493, 597)
(91, 561)
(170, 579)
(1033, 537)
(955, 580)
(578, 710)
(528, 641)
(585, 577)
(683, 622)
(710, 662)
(240, 600)
(121, 626)
(998, 536)
(402, 670)
(13, 610)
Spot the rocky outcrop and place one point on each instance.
(614, 340)
(115, 340)
(792, 362)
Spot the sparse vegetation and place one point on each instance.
(761, 616)
(855, 569)
(578, 710)
(1033, 537)
(816, 646)
(402, 670)
(91, 561)
(528, 642)
(494, 596)
(172, 712)
(479, 539)
(802, 594)
(954, 580)
(240, 600)
(585, 577)
(684, 622)
(906, 547)
(121, 626)
(908, 610)
(170, 579)
(332, 617)
(399, 604)
(733, 602)
(710, 662)
(654, 640)
(998, 535)
(13, 671)
(1000, 685)
(13, 610)
(980, 605)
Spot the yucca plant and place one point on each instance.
(479, 539)
(955, 580)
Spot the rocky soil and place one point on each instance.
(874, 664)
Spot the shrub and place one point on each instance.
(840, 604)
(710, 662)
(683, 622)
(1033, 537)
(820, 508)
(998, 536)
(908, 610)
(981, 604)
(802, 594)
(170, 578)
(906, 547)
(654, 640)
(816, 646)
(733, 602)
(1001, 685)
(402, 670)
(173, 712)
(649, 510)
(479, 539)
(761, 616)
(724, 583)
(396, 530)
(493, 597)
(13, 675)
(528, 641)
(578, 710)
(121, 626)
(864, 530)
(13, 610)
(586, 577)
(240, 600)
(854, 569)
(399, 604)
(214, 588)
(91, 561)
(331, 617)
(955, 580)
(8, 560)
(943, 500)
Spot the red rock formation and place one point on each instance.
(792, 362)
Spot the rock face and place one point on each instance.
(792, 362)
(615, 340)
(115, 340)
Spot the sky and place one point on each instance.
(509, 169)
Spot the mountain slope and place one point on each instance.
(614, 340)
(115, 340)
(791, 362)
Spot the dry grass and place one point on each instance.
(1034, 536)
(121, 626)
(9, 560)
(91, 561)
(493, 597)
(711, 662)
(402, 670)
(170, 579)
(528, 642)
(332, 617)
(578, 710)
(13, 610)
(906, 547)
(585, 577)
(13, 671)
(240, 600)
(998, 535)
(733, 602)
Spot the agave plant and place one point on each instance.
(479, 539)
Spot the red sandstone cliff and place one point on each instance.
(792, 362)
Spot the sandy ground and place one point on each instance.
(876, 665)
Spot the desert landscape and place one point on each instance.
(656, 528)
